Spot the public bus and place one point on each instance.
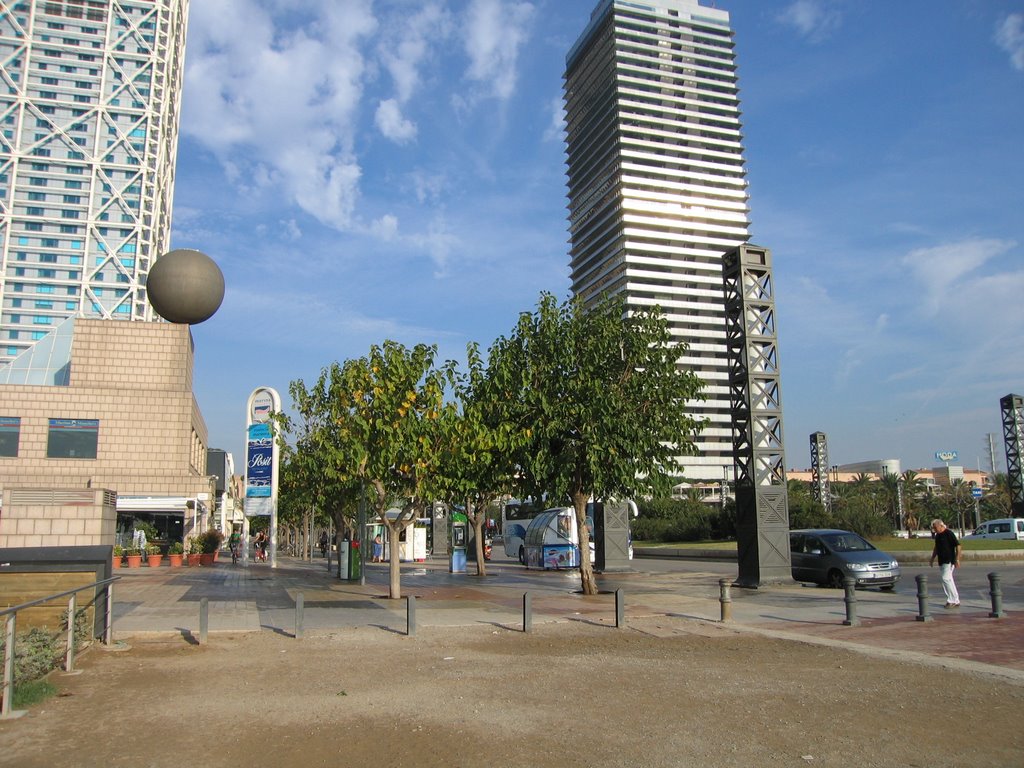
(552, 540)
(515, 517)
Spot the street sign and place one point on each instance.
(976, 492)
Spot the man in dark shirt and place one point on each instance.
(947, 552)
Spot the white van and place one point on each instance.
(1007, 528)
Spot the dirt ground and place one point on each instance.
(664, 692)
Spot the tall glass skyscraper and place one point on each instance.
(657, 188)
(90, 94)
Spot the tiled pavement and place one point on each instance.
(257, 597)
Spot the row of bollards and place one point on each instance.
(923, 612)
(850, 598)
(725, 600)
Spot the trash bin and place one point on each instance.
(355, 562)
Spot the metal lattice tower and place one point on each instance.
(762, 514)
(1012, 407)
(821, 487)
(89, 112)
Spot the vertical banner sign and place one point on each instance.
(262, 461)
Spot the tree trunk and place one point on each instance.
(588, 582)
(394, 564)
(477, 519)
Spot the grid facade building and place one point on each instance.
(90, 94)
(657, 184)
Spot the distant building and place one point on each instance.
(104, 405)
(89, 116)
(877, 467)
(934, 479)
(657, 183)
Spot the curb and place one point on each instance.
(729, 555)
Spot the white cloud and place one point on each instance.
(556, 129)
(392, 124)
(1010, 37)
(943, 269)
(406, 44)
(494, 32)
(813, 19)
(277, 103)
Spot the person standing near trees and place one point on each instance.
(947, 551)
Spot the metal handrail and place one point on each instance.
(11, 615)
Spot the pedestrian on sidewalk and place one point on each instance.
(947, 551)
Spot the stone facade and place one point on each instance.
(50, 517)
(135, 379)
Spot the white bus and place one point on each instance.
(515, 518)
(553, 541)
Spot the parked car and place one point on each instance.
(827, 556)
(1011, 528)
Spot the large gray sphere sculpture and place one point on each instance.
(185, 286)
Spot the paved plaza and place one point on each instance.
(258, 598)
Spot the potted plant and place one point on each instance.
(153, 555)
(175, 554)
(118, 554)
(210, 543)
(195, 550)
(133, 557)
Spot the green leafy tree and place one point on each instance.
(476, 466)
(600, 401)
(387, 410)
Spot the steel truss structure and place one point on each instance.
(762, 514)
(821, 487)
(1012, 408)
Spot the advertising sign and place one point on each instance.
(946, 455)
(262, 461)
(259, 461)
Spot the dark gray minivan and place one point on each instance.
(827, 556)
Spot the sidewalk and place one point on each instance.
(257, 597)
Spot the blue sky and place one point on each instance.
(363, 170)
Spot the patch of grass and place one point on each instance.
(885, 543)
(894, 544)
(32, 693)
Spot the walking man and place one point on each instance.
(947, 550)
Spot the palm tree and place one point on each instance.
(913, 490)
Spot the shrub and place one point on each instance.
(211, 541)
(36, 652)
(177, 548)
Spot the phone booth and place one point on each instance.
(460, 539)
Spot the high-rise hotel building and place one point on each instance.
(90, 94)
(657, 188)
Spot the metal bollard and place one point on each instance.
(300, 614)
(204, 619)
(527, 612)
(996, 592)
(108, 629)
(725, 598)
(69, 656)
(410, 616)
(850, 598)
(620, 609)
(922, 598)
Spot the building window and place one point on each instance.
(10, 431)
(72, 438)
